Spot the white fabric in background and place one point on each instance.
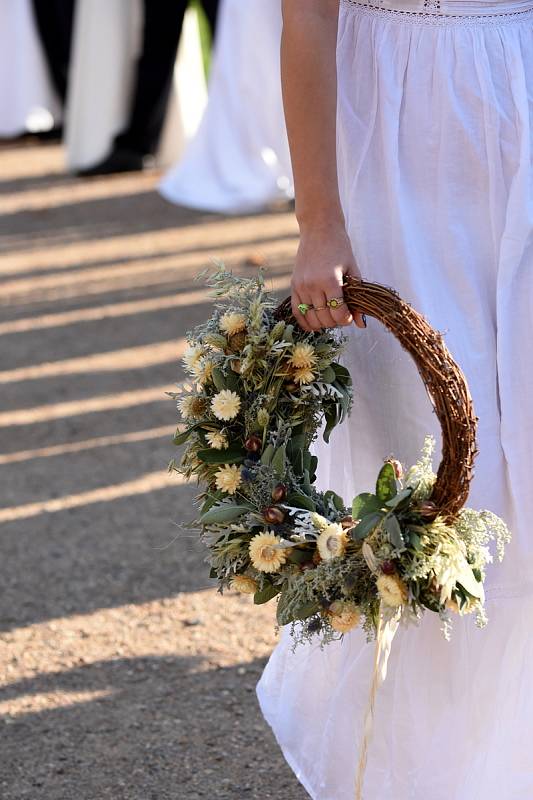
(27, 97)
(106, 44)
(435, 148)
(239, 160)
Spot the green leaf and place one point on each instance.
(313, 464)
(342, 373)
(284, 617)
(365, 503)
(296, 556)
(266, 456)
(213, 573)
(331, 417)
(181, 438)
(219, 379)
(210, 501)
(328, 375)
(336, 499)
(386, 483)
(278, 461)
(232, 381)
(288, 334)
(401, 499)
(268, 592)
(394, 532)
(231, 455)
(224, 513)
(301, 501)
(367, 525)
(414, 540)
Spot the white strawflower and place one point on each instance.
(217, 440)
(231, 323)
(192, 406)
(332, 542)
(228, 478)
(191, 357)
(203, 370)
(225, 405)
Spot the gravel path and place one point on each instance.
(124, 675)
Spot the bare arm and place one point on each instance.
(308, 66)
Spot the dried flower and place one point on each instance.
(265, 553)
(304, 375)
(231, 323)
(191, 356)
(393, 590)
(192, 406)
(217, 440)
(344, 616)
(332, 542)
(225, 405)
(203, 370)
(302, 356)
(244, 584)
(228, 478)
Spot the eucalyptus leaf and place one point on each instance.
(268, 592)
(229, 456)
(335, 499)
(367, 525)
(386, 483)
(218, 379)
(328, 375)
(400, 499)
(266, 456)
(365, 503)
(278, 461)
(223, 513)
(300, 501)
(181, 438)
(394, 532)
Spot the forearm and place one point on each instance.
(308, 64)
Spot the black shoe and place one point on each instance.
(117, 161)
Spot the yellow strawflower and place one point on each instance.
(231, 323)
(304, 375)
(228, 478)
(265, 554)
(244, 584)
(217, 440)
(393, 590)
(303, 355)
(225, 405)
(344, 616)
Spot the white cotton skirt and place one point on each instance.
(435, 148)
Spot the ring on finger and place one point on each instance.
(303, 308)
(334, 302)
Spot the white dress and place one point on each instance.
(434, 149)
(27, 98)
(106, 44)
(239, 160)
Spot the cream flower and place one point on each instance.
(332, 542)
(344, 616)
(232, 323)
(303, 355)
(192, 406)
(319, 522)
(393, 590)
(265, 553)
(203, 370)
(225, 405)
(244, 584)
(191, 356)
(304, 375)
(228, 478)
(217, 440)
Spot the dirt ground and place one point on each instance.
(124, 674)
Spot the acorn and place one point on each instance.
(274, 515)
(388, 568)
(279, 493)
(253, 444)
(427, 508)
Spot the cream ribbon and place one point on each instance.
(387, 627)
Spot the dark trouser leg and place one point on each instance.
(54, 23)
(211, 12)
(163, 20)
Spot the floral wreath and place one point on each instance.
(261, 390)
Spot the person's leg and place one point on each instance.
(54, 23)
(211, 11)
(163, 22)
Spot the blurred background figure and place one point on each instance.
(54, 22)
(28, 102)
(239, 159)
(122, 79)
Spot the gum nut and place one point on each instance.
(253, 444)
(347, 522)
(274, 515)
(427, 508)
(279, 493)
(388, 568)
(397, 467)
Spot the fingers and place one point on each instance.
(299, 317)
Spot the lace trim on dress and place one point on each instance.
(432, 14)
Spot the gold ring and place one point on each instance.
(335, 302)
(303, 308)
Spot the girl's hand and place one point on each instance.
(324, 257)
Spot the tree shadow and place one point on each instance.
(157, 728)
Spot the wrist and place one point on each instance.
(320, 221)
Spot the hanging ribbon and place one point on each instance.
(387, 628)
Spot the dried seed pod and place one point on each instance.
(237, 341)
(388, 568)
(347, 522)
(427, 508)
(279, 493)
(317, 558)
(274, 515)
(397, 467)
(253, 444)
